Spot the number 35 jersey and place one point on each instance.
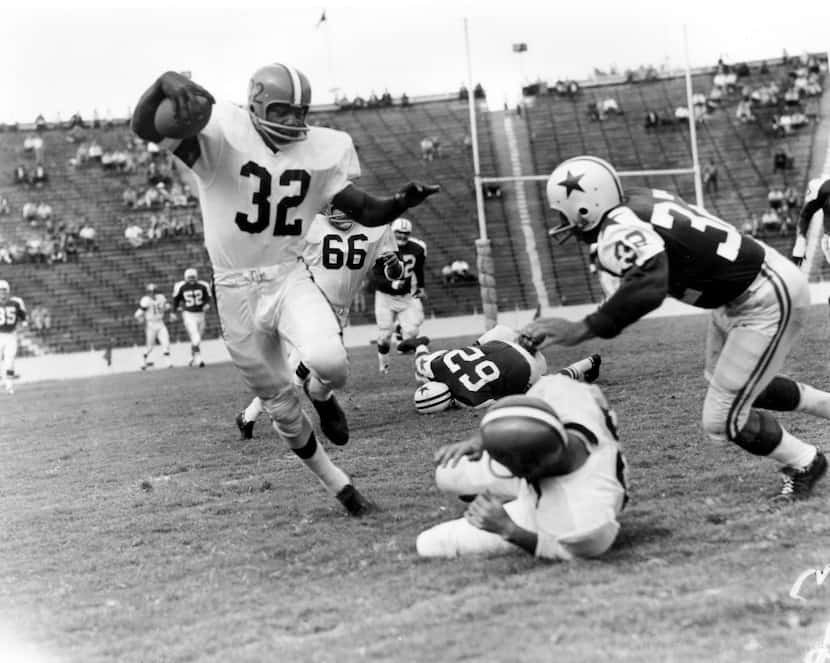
(480, 374)
(710, 262)
(258, 204)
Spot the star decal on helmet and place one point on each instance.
(571, 183)
(422, 390)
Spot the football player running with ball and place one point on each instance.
(494, 366)
(339, 253)
(659, 245)
(545, 475)
(262, 175)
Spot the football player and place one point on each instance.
(150, 311)
(339, 253)
(658, 245)
(399, 300)
(262, 175)
(494, 366)
(544, 473)
(12, 318)
(192, 297)
(817, 198)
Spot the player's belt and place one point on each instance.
(256, 274)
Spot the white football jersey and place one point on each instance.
(340, 259)
(153, 307)
(257, 204)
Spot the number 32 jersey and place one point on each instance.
(258, 204)
(710, 261)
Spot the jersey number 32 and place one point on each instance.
(262, 201)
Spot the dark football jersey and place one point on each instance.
(12, 311)
(413, 256)
(477, 374)
(710, 261)
(191, 296)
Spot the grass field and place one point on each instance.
(136, 526)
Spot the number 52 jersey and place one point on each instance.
(258, 204)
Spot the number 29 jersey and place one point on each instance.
(258, 204)
(710, 261)
(480, 374)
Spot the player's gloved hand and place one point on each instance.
(393, 268)
(529, 342)
(414, 194)
(182, 91)
(450, 454)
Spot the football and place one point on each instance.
(432, 397)
(169, 126)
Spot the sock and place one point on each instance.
(167, 358)
(318, 390)
(578, 369)
(792, 452)
(814, 401)
(318, 461)
(253, 409)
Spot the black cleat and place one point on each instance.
(409, 345)
(593, 373)
(355, 503)
(333, 421)
(798, 484)
(246, 428)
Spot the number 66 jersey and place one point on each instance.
(257, 203)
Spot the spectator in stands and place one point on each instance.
(190, 224)
(76, 121)
(5, 254)
(95, 151)
(478, 92)
(358, 103)
(792, 201)
(446, 274)
(775, 198)
(87, 235)
(153, 230)
(770, 223)
(4, 205)
(763, 69)
(405, 100)
(386, 98)
(595, 112)
(21, 175)
(743, 113)
(751, 226)
(44, 211)
(129, 197)
(492, 190)
(40, 122)
(29, 211)
(461, 272)
(782, 159)
(374, 100)
(792, 98)
(134, 235)
(610, 105)
(39, 176)
(463, 93)
(710, 177)
(69, 245)
(681, 113)
(652, 120)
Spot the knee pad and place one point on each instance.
(760, 435)
(384, 339)
(781, 394)
(288, 418)
(384, 346)
(329, 364)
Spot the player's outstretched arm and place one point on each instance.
(369, 210)
(183, 92)
(450, 454)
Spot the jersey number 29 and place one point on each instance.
(486, 371)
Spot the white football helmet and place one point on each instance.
(583, 189)
(151, 288)
(339, 220)
(402, 228)
(432, 397)
(279, 85)
(5, 289)
(190, 274)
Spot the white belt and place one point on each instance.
(241, 277)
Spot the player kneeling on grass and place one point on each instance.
(545, 473)
(494, 366)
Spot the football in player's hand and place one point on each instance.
(170, 125)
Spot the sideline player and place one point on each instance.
(398, 301)
(12, 318)
(262, 175)
(658, 245)
(554, 454)
(150, 311)
(494, 366)
(817, 198)
(192, 297)
(339, 253)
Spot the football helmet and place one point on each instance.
(339, 220)
(151, 288)
(5, 289)
(583, 189)
(284, 88)
(432, 397)
(191, 275)
(402, 228)
(523, 433)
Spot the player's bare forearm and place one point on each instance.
(371, 211)
(519, 536)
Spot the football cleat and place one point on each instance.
(411, 344)
(383, 365)
(592, 373)
(333, 420)
(246, 428)
(355, 503)
(798, 484)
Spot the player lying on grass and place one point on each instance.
(494, 366)
(544, 473)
